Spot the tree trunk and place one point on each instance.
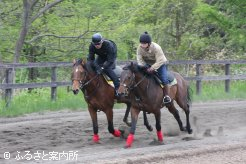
(23, 31)
(2, 71)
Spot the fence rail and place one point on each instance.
(9, 85)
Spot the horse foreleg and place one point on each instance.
(109, 114)
(146, 122)
(125, 119)
(93, 115)
(134, 118)
(158, 126)
(175, 113)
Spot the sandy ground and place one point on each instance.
(65, 137)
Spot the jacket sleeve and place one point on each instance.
(91, 55)
(139, 57)
(160, 58)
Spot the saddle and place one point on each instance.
(171, 79)
(117, 70)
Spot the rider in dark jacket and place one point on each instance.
(106, 51)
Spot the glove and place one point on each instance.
(100, 70)
(150, 70)
(146, 66)
(106, 64)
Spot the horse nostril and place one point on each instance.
(76, 91)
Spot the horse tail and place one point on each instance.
(189, 96)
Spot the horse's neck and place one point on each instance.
(95, 83)
(145, 86)
(141, 84)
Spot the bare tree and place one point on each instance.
(27, 21)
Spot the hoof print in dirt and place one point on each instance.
(207, 133)
(94, 143)
(190, 138)
(156, 142)
(220, 131)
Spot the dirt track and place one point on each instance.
(219, 137)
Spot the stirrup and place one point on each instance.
(166, 99)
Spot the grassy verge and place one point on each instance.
(39, 99)
(215, 91)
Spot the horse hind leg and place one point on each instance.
(185, 105)
(146, 122)
(175, 113)
(125, 119)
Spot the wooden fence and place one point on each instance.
(8, 85)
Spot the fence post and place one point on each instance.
(8, 80)
(53, 79)
(227, 82)
(198, 82)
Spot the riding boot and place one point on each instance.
(166, 98)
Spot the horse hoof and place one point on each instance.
(128, 124)
(150, 128)
(190, 131)
(127, 146)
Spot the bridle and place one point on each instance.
(83, 82)
(133, 84)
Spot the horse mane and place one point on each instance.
(133, 66)
(136, 68)
(87, 65)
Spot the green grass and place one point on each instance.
(39, 99)
(215, 91)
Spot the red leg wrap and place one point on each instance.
(129, 140)
(117, 133)
(159, 135)
(96, 138)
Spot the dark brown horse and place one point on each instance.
(147, 95)
(99, 96)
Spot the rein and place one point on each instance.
(84, 83)
(137, 95)
(132, 82)
(82, 87)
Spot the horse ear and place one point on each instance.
(74, 61)
(131, 65)
(83, 61)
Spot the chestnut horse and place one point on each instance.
(147, 95)
(99, 96)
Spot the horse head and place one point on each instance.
(78, 75)
(82, 74)
(127, 78)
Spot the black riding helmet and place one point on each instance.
(145, 38)
(96, 38)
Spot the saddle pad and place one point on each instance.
(109, 81)
(171, 83)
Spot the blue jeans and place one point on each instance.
(162, 72)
